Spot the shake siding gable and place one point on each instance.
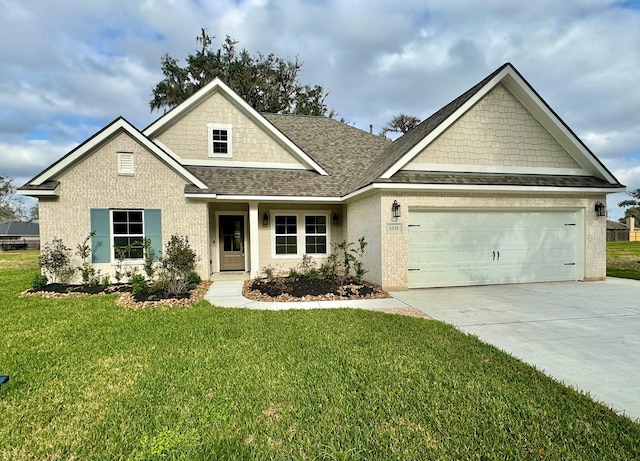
(188, 136)
(498, 131)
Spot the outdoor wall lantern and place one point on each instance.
(601, 210)
(335, 219)
(265, 220)
(395, 209)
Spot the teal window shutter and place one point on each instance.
(153, 231)
(100, 243)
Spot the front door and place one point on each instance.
(231, 243)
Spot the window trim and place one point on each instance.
(300, 232)
(229, 130)
(112, 235)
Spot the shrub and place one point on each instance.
(193, 280)
(39, 282)
(178, 260)
(351, 258)
(55, 260)
(105, 281)
(149, 266)
(139, 287)
(83, 250)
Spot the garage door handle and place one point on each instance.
(494, 256)
(498, 256)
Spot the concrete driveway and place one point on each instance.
(586, 334)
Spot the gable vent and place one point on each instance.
(125, 163)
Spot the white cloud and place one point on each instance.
(70, 67)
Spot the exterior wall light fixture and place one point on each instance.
(600, 209)
(265, 220)
(335, 219)
(395, 209)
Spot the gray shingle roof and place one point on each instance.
(19, 229)
(342, 150)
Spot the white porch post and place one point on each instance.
(254, 256)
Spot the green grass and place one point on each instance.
(623, 259)
(90, 380)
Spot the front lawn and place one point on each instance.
(623, 259)
(90, 380)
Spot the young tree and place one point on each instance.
(631, 206)
(268, 83)
(11, 208)
(401, 123)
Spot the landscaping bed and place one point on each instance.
(126, 298)
(305, 289)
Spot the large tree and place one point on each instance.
(631, 206)
(401, 123)
(268, 83)
(11, 208)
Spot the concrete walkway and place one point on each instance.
(229, 294)
(586, 334)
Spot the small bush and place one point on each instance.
(139, 287)
(193, 280)
(39, 282)
(55, 259)
(105, 281)
(178, 260)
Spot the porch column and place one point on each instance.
(254, 256)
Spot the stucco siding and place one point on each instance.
(94, 183)
(364, 220)
(497, 131)
(395, 246)
(188, 137)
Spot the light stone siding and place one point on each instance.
(266, 236)
(94, 183)
(365, 219)
(188, 137)
(395, 247)
(497, 131)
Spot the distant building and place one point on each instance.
(17, 235)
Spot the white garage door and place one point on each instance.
(481, 248)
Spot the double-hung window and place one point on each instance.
(219, 140)
(315, 230)
(121, 233)
(286, 235)
(296, 234)
(128, 233)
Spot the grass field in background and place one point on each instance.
(623, 259)
(90, 380)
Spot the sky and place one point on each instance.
(69, 67)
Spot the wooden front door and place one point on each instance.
(231, 243)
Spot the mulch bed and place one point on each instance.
(282, 289)
(124, 290)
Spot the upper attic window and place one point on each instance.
(219, 140)
(125, 163)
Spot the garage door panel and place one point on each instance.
(475, 248)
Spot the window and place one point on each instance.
(315, 229)
(286, 235)
(219, 140)
(296, 233)
(119, 228)
(125, 163)
(128, 233)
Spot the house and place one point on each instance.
(617, 231)
(18, 235)
(492, 188)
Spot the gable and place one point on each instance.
(498, 134)
(235, 107)
(46, 183)
(97, 176)
(406, 148)
(188, 137)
